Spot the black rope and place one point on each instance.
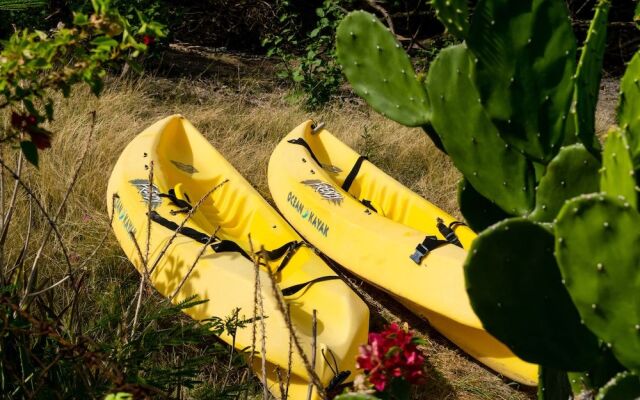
(291, 290)
(338, 376)
(353, 173)
(455, 224)
(301, 142)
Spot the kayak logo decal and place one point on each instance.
(332, 169)
(326, 190)
(152, 195)
(122, 215)
(188, 168)
(307, 215)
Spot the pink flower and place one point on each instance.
(391, 354)
(148, 40)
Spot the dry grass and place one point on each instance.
(244, 124)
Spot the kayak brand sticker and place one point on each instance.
(326, 190)
(307, 214)
(122, 215)
(143, 188)
(332, 169)
(188, 168)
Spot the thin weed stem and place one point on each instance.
(72, 183)
(184, 221)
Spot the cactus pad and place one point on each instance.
(526, 59)
(494, 168)
(453, 14)
(618, 176)
(379, 70)
(572, 172)
(515, 288)
(623, 386)
(598, 250)
(588, 76)
(553, 384)
(478, 211)
(628, 115)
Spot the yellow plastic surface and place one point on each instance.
(186, 162)
(377, 246)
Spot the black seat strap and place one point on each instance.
(274, 254)
(353, 173)
(301, 142)
(287, 250)
(183, 205)
(428, 244)
(367, 203)
(218, 246)
(448, 233)
(291, 290)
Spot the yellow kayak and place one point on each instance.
(185, 169)
(389, 236)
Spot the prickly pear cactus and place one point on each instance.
(515, 288)
(623, 386)
(598, 250)
(379, 70)
(572, 172)
(588, 77)
(454, 16)
(628, 111)
(479, 212)
(604, 369)
(524, 71)
(492, 166)
(618, 175)
(553, 384)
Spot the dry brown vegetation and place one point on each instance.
(244, 118)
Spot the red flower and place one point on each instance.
(390, 354)
(148, 40)
(16, 120)
(22, 121)
(40, 138)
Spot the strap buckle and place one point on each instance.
(422, 250)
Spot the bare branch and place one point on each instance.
(202, 250)
(186, 218)
(373, 4)
(72, 183)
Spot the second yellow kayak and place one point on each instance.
(381, 231)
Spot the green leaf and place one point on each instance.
(355, 396)
(48, 108)
(104, 42)
(80, 19)
(30, 152)
(19, 5)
